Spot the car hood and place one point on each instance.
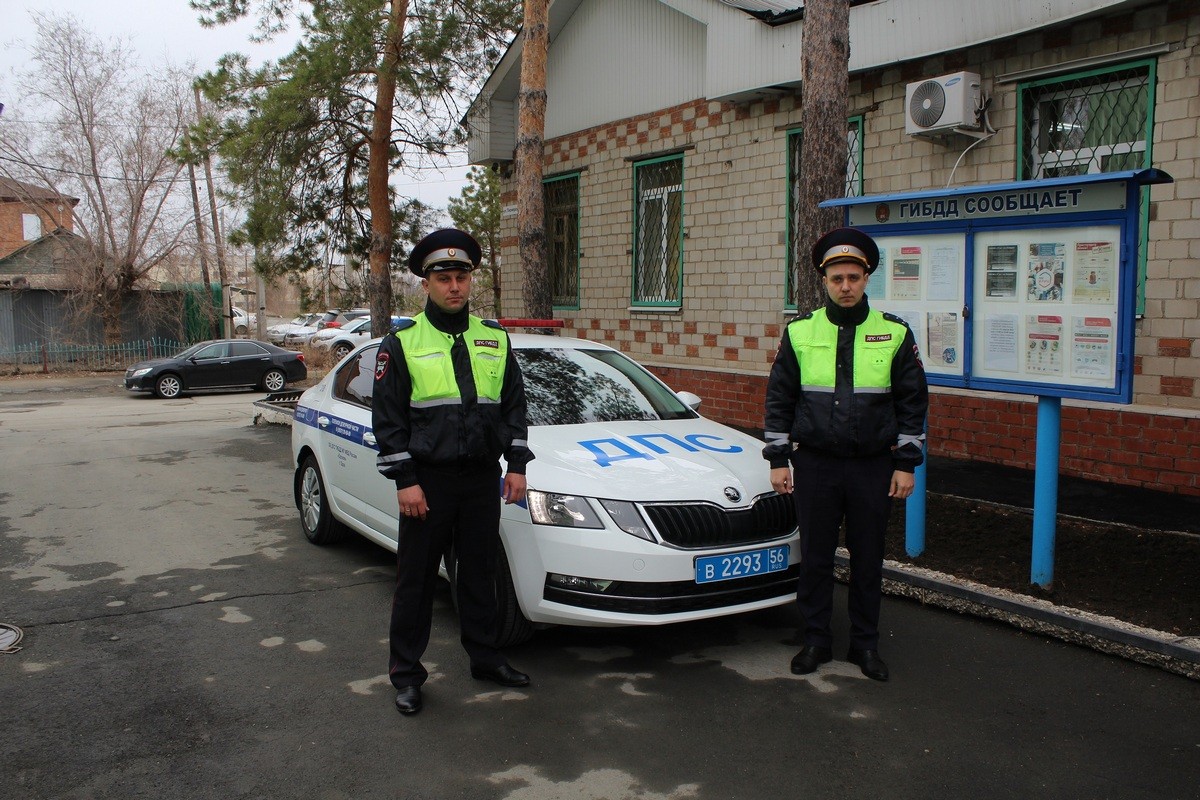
(694, 459)
(154, 363)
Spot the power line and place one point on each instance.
(124, 179)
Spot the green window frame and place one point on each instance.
(658, 232)
(1089, 122)
(560, 195)
(854, 188)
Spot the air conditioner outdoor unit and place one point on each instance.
(942, 105)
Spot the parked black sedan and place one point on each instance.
(218, 364)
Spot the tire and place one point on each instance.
(168, 386)
(511, 626)
(341, 350)
(274, 380)
(316, 519)
(241, 330)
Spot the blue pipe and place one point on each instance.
(1045, 490)
(914, 515)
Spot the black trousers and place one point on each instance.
(827, 491)
(463, 518)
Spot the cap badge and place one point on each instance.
(451, 252)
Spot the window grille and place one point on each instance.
(561, 201)
(854, 188)
(1088, 123)
(658, 265)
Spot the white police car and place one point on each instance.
(639, 510)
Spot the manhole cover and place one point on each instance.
(10, 637)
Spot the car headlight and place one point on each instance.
(137, 373)
(563, 510)
(628, 518)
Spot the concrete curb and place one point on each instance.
(1104, 634)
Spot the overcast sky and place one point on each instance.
(168, 30)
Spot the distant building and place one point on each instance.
(28, 212)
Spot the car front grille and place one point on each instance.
(702, 525)
(630, 597)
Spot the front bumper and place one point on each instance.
(631, 581)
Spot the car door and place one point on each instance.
(349, 449)
(207, 367)
(248, 362)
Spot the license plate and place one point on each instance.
(730, 566)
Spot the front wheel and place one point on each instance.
(341, 350)
(168, 386)
(241, 330)
(274, 380)
(512, 628)
(315, 516)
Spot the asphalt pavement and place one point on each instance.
(182, 639)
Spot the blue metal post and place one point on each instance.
(914, 516)
(1045, 490)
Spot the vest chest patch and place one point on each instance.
(878, 337)
(493, 343)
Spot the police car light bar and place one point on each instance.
(531, 323)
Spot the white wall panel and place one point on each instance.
(619, 58)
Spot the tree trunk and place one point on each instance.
(531, 125)
(380, 283)
(823, 146)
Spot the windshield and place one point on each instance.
(571, 387)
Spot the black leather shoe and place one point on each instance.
(809, 658)
(408, 700)
(503, 675)
(869, 661)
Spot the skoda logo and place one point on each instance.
(732, 494)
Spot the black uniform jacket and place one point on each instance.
(843, 423)
(449, 436)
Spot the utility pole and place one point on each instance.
(226, 300)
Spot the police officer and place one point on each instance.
(448, 402)
(846, 405)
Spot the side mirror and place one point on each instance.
(690, 400)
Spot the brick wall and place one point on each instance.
(12, 230)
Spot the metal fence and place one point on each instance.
(57, 356)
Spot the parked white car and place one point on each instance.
(277, 333)
(340, 341)
(639, 510)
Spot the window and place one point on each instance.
(1089, 123)
(355, 381)
(216, 350)
(246, 349)
(658, 232)
(561, 201)
(31, 225)
(854, 188)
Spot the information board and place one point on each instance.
(1024, 287)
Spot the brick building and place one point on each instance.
(672, 158)
(29, 212)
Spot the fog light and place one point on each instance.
(578, 584)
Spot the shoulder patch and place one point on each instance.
(491, 323)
